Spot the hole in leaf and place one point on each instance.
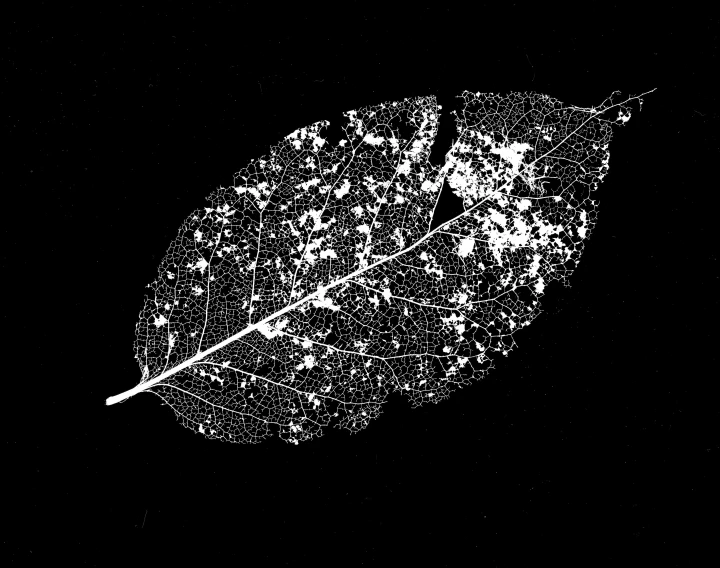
(444, 138)
(449, 206)
(334, 133)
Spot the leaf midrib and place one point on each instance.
(321, 290)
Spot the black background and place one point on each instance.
(594, 442)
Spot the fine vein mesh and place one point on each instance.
(336, 240)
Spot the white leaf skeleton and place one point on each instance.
(305, 294)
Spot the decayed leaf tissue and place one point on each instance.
(305, 294)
